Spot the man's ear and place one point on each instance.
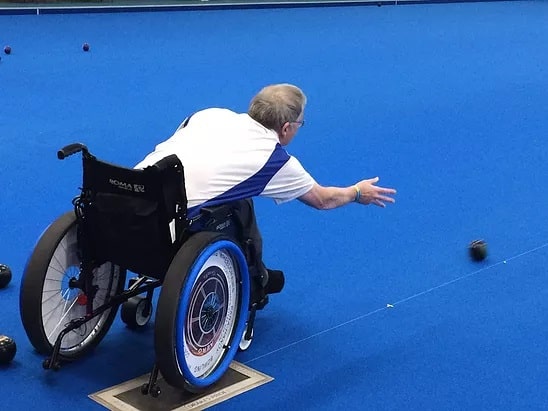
(283, 132)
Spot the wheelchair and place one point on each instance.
(135, 221)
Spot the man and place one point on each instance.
(230, 158)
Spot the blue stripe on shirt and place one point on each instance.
(251, 187)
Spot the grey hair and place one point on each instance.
(276, 105)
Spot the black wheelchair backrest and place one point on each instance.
(133, 217)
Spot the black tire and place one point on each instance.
(132, 312)
(34, 298)
(183, 269)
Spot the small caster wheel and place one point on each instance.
(136, 312)
(245, 344)
(144, 389)
(155, 391)
(46, 364)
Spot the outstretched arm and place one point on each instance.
(364, 192)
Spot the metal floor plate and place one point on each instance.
(127, 396)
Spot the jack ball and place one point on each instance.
(478, 250)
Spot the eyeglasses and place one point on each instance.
(300, 123)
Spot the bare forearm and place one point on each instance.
(364, 192)
(327, 198)
(334, 197)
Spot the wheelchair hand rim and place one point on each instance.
(198, 268)
(48, 301)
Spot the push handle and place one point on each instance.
(71, 149)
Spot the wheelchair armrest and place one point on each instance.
(216, 213)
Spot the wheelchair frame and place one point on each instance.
(254, 298)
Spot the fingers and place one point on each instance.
(385, 190)
(385, 199)
(372, 194)
(382, 200)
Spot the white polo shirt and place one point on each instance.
(228, 156)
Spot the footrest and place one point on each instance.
(275, 282)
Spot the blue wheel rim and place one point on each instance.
(186, 296)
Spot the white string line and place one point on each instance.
(470, 274)
(396, 303)
(317, 334)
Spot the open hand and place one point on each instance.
(372, 194)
